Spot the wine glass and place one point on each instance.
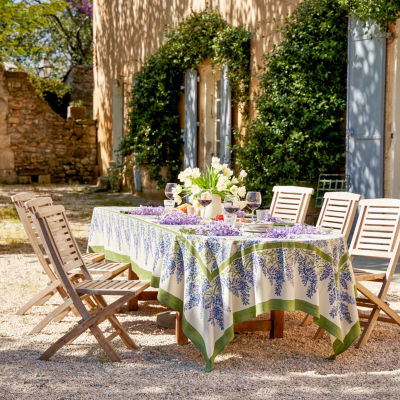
(230, 209)
(169, 190)
(253, 202)
(204, 200)
(169, 193)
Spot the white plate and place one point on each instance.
(257, 227)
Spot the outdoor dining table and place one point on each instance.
(217, 281)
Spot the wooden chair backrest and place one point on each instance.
(338, 212)
(52, 225)
(19, 201)
(290, 203)
(377, 230)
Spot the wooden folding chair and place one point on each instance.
(377, 234)
(337, 214)
(106, 270)
(290, 203)
(54, 230)
(53, 286)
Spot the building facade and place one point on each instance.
(127, 32)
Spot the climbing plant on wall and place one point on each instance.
(380, 11)
(297, 132)
(155, 136)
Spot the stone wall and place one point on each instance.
(36, 144)
(80, 80)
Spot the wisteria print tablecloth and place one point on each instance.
(218, 281)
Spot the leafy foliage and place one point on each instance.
(49, 85)
(380, 11)
(155, 137)
(297, 133)
(60, 28)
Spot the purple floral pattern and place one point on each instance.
(215, 276)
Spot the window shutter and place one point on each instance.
(365, 109)
(225, 124)
(137, 178)
(190, 133)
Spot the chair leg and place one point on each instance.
(366, 333)
(61, 310)
(105, 344)
(308, 319)
(320, 332)
(39, 298)
(89, 323)
(129, 343)
(381, 305)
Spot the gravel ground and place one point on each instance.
(252, 366)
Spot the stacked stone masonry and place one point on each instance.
(36, 144)
(80, 79)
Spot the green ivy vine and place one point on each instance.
(155, 138)
(380, 11)
(297, 133)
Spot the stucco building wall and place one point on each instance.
(392, 115)
(126, 32)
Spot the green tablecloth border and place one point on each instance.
(110, 255)
(339, 345)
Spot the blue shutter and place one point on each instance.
(190, 133)
(365, 109)
(225, 118)
(117, 117)
(137, 178)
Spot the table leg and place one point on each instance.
(277, 318)
(179, 335)
(133, 305)
(132, 275)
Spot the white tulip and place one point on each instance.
(177, 189)
(215, 160)
(243, 174)
(177, 199)
(196, 173)
(234, 189)
(236, 201)
(195, 189)
(226, 171)
(235, 180)
(242, 204)
(242, 191)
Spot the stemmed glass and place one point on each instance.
(253, 202)
(169, 194)
(230, 209)
(169, 190)
(204, 200)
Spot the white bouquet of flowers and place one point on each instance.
(217, 179)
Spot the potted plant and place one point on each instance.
(76, 110)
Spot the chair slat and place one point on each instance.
(338, 211)
(290, 202)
